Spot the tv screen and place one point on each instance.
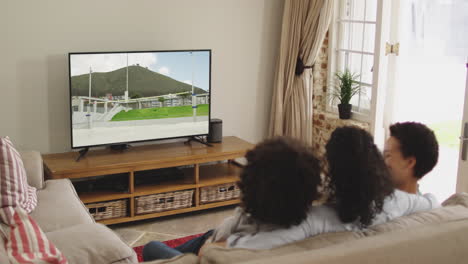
(124, 97)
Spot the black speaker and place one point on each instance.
(216, 131)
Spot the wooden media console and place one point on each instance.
(199, 167)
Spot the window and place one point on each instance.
(352, 41)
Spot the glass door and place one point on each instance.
(426, 78)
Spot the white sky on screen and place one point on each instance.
(80, 63)
(181, 66)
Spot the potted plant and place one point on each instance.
(346, 86)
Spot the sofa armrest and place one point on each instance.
(92, 244)
(34, 168)
(460, 198)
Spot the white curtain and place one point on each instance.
(305, 24)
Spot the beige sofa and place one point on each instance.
(66, 222)
(436, 236)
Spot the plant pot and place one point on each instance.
(345, 111)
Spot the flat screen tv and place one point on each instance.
(125, 97)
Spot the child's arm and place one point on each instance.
(412, 203)
(227, 227)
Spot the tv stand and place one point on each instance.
(203, 168)
(82, 154)
(119, 147)
(199, 140)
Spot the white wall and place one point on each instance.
(35, 37)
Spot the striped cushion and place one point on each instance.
(14, 188)
(24, 240)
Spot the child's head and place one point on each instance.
(358, 178)
(280, 181)
(410, 152)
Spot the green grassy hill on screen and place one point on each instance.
(142, 82)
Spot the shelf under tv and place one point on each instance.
(203, 167)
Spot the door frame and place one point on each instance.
(379, 88)
(462, 181)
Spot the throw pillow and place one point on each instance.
(24, 240)
(14, 187)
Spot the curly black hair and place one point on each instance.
(358, 179)
(279, 182)
(418, 141)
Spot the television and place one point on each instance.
(125, 97)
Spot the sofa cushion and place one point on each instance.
(430, 244)
(126, 261)
(92, 243)
(59, 206)
(181, 259)
(214, 254)
(33, 164)
(3, 253)
(14, 188)
(25, 242)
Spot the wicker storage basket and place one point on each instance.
(163, 202)
(222, 192)
(107, 210)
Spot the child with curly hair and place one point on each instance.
(278, 185)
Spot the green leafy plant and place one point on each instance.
(346, 86)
